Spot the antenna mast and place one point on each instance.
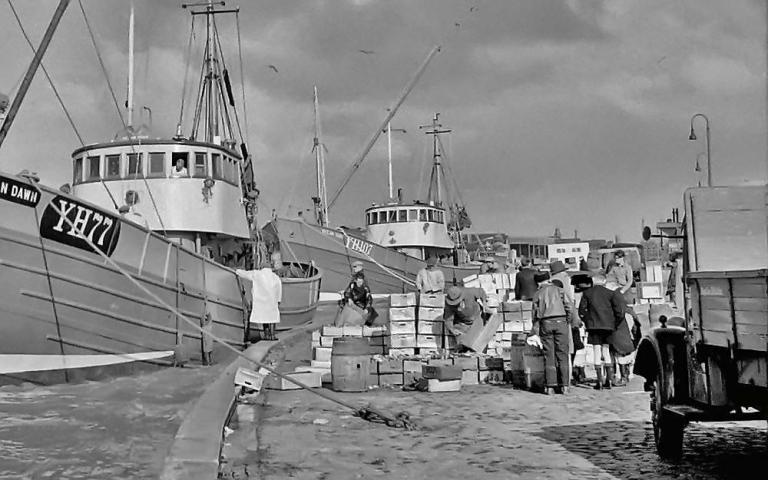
(129, 101)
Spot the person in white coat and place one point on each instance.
(266, 293)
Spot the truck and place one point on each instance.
(710, 363)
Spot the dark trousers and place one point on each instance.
(554, 337)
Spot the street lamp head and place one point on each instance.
(692, 136)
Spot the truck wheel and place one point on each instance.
(667, 428)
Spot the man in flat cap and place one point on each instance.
(551, 312)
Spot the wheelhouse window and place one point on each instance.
(216, 166)
(77, 171)
(402, 215)
(392, 216)
(94, 168)
(156, 163)
(382, 217)
(201, 169)
(184, 157)
(440, 218)
(413, 215)
(113, 166)
(422, 215)
(431, 216)
(134, 165)
(373, 218)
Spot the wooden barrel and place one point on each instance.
(350, 364)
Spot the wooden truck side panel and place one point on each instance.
(727, 283)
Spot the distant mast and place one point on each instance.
(321, 200)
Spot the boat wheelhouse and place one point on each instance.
(416, 229)
(139, 178)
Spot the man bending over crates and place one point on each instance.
(463, 308)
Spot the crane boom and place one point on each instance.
(383, 125)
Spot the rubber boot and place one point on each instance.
(624, 369)
(582, 375)
(610, 380)
(600, 377)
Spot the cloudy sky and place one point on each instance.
(564, 113)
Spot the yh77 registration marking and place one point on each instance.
(97, 226)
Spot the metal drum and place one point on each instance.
(350, 364)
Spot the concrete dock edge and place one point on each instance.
(196, 448)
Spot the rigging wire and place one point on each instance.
(45, 71)
(242, 78)
(447, 166)
(187, 62)
(101, 62)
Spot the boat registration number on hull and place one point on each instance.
(358, 245)
(101, 228)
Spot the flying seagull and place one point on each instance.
(273, 68)
(472, 9)
(367, 52)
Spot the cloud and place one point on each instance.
(720, 75)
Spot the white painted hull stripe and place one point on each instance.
(19, 363)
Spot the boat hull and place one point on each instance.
(386, 270)
(68, 314)
(300, 297)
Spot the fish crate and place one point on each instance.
(403, 341)
(402, 327)
(402, 299)
(402, 314)
(432, 300)
(429, 341)
(431, 313)
(428, 327)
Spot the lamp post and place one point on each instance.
(389, 153)
(692, 136)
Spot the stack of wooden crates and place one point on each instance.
(416, 323)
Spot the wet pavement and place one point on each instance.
(115, 429)
(484, 431)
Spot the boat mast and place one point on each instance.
(211, 108)
(321, 200)
(130, 68)
(32, 69)
(434, 195)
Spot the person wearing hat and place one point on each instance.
(357, 266)
(430, 279)
(621, 275)
(358, 294)
(559, 272)
(551, 314)
(464, 307)
(490, 265)
(602, 310)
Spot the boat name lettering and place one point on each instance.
(19, 192)
(100, 228)
(359, 245)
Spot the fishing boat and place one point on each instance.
(397, 239)
(116, 275)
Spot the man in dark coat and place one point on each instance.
(601, 310)
(525, 285)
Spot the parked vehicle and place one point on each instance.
(711, 365)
